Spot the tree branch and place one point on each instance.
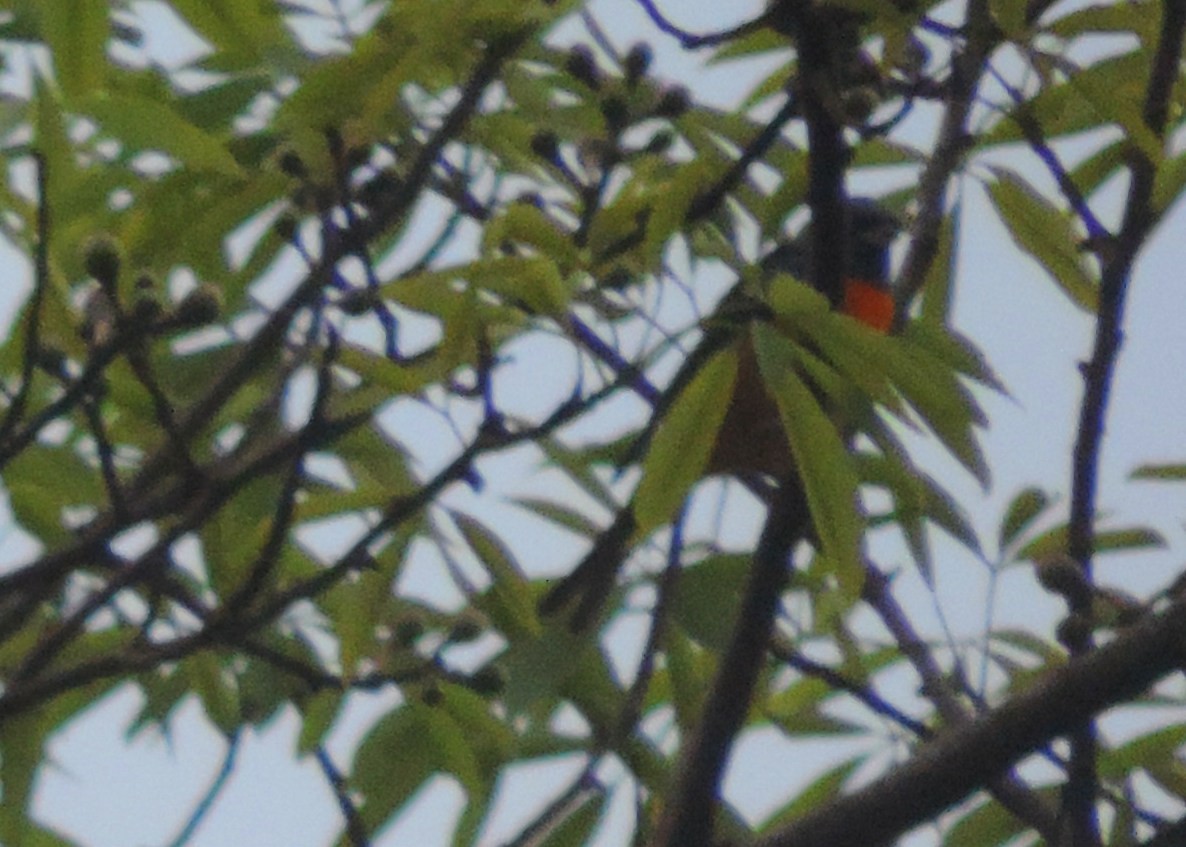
(960, 762)
(691, 806)
(1079, 795)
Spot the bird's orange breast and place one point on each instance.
(870, 303)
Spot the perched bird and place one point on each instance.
(751, 439)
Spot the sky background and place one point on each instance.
(106, 791)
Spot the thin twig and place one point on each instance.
(691, 41)
(207, 802)
(33, 320)
(356, 829)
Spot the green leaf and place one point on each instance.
(1054, 542)
(401, 751)
(1010, 16)
(989, 823)
(1127, 540)
(232, 27)
(821, 456)
(577, 827)
(674, 197)
(216, 106)
(52, 140)
(232, 538)
(42, 481)
(318, 715)
(525, 224)
(954, 350)
(533, 281)
(509, 601)
(560, 514)
(1024, 509)
(683, 442)
(490, 740)
(689, 671)
(1045, 234)
(930, 386)
(235, 203)
(938, 286)
(76, 33)
(540, 667)
(1137, 17)
(22, 741)
(1062, 109)
(1168, 184)
(1094, 171)
(1160, 473)
(825, 787)
(38, 835)
(152, 125)
(215, 688)
(1117, 97)
(917, 498)
(162, 693)
(857, 354)
(708, 596)
(797, 709)
(1157, 747)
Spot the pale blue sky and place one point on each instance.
(106, 792)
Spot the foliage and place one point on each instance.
(293, 300)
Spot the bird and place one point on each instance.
(751, 438)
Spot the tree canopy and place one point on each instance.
(347, 332)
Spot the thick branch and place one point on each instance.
(945, 159)
(688, 815)
(946, 771)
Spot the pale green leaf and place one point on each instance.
(1161, 473)
(22, 740)
(1022, 511)
(821, 456)
(318, 715)
(509, 601)
(1054, 542)
(668, 215)
(233, 27)
(578, 825)
(151, 125)
(1117, 97)
(76, 32)
(690, 670)
(42, 481)
(539, 668)
(708, 597)
(1046, 235)
(824, 788)
(930, 386)
(938, 287)
(684, 442)
(215, 688)
(989, 823)
(402, 750)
